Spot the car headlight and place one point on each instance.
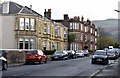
(113, 55)
(105, 57)
(93, 56)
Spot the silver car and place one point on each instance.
(3, 61)
(80, 53)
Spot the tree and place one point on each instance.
(71, 38)
(105, 41)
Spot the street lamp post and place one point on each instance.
(116, 10)
(118, 26)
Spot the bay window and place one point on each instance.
(21, 24)
(27, 25)
(32, 22)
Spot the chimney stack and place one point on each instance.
(47, 14)
(0, 2)
(82, 18)
(66, 17)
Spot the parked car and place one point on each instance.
(59, 55)
(3, 60)
(118, 51)
(100, 56)
(80, 53)
(33, 56)
(112, 54)
(71, 54)
(86, 53)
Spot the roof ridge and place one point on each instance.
(16, 4)
(21, 10)
(28, 9)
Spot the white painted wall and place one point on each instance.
(0, 32)
(7, 36)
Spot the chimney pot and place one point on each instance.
(45, 10)
(49, 10)
(30, 6)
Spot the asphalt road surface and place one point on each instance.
(81, 67)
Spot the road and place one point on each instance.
(74, 67)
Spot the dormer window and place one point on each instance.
(5, 9)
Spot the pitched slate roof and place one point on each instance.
(15, 8)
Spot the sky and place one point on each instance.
(92, 9)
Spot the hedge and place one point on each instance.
(49, 52)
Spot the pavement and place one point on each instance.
(110, 71)
(23, 63)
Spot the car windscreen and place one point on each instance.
(32, 52)
(111, 52)
(100, 53)
(78, 51)
(59, 52)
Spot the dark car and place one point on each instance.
(100, 56)
(59, 55)
(3, 60)
(112, 54)
(71, 54)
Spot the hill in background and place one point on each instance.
(110, 26)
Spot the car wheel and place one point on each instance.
(106, 62)
(66, 58)
(46, 60)
(27, 63)
(92, 62)
(40, 61)
(73, 57)
(5, 65)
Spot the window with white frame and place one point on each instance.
(56, 45)
(85, 37)
(75, 47)
(91, 38)
(26, 43)
(21, 24)
(77, 25)
(81, 37)
(32, 41)
(21, 43)
(57, 31)
(45, 28)
(44, 43)
(95, 47)
(95, 40)
(90, 30)
(48, 29)
(91, 46)
(81, 27)
(65, 34)
(95, 33)
(27, 24)
(32, 22)
(71, 46)
(17, 24)
(85, 29)
(71, 25)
